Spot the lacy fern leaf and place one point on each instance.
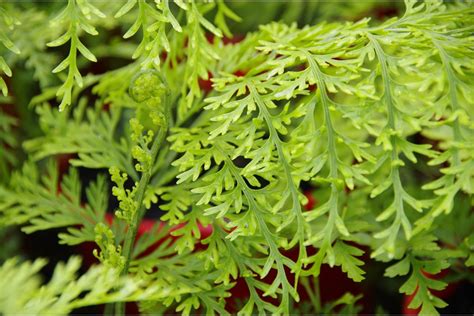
(223, 141)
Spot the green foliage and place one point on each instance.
(66, 290)
(152, 20)
(89, 133)
(375, 116)
(110, 255)
(75, 17)
(7, 23)
(420, 264)
(31, 39)
(43, 203)
(8, 141)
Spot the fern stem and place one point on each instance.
(133, 229)
(452, 96)
(109, 309)
(332, 154)
(253, 205)
(287, 168)
(395, 173)
(234, 252)
(314, 295)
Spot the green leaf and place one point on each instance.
(45, 208)
(398, 269)
(346, 258)
(66, 291)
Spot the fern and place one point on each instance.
(42, 208)
(153, 22)
(66, 291)
(354, 110)
(8, 141)
(75, 15)
(90, 134)
(7, 24)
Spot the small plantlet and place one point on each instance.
(223, 142)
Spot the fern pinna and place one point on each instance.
(355, 110)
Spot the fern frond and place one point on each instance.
(42, 202)
(356, 111)
(67, 291)
(75, 16)
(89, 133)
(153, 21)
(420, 284)
(454, 51)
(8, 141)
(7, 23)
